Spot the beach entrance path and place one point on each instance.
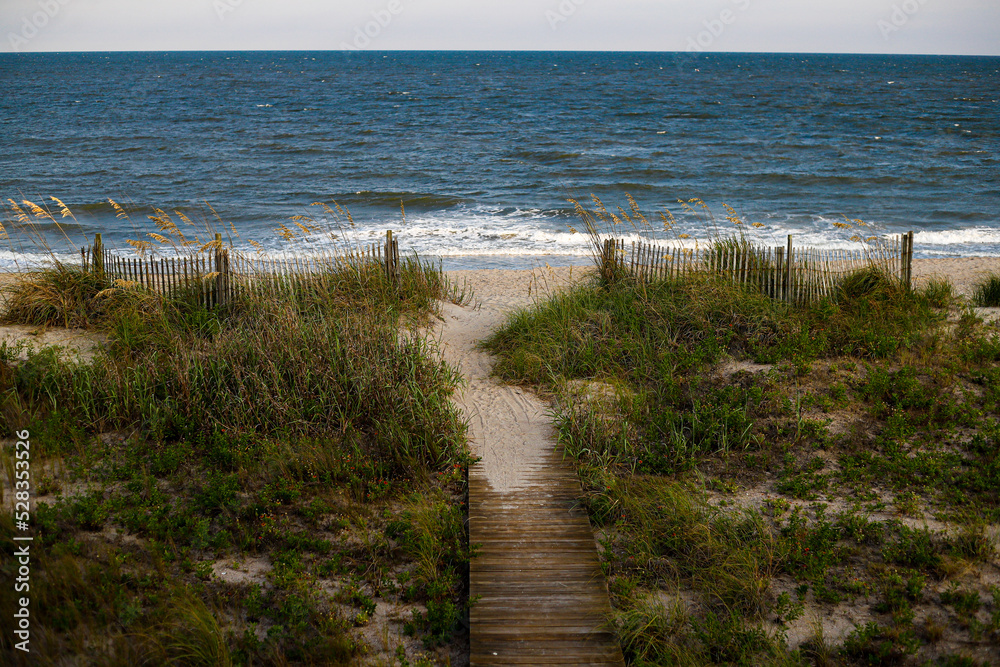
(540, 597)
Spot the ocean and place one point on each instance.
(485, 150)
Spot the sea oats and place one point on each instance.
(63, 209)
(120, 212)
(141, 246)
(19, 213)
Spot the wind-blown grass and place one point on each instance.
(736, 250)
(285, 426)
(656, 338)
(987, 292)
(306, 363)
(62, 296)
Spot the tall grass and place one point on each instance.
(265, 417)
(658, 338)
(987, 292)
(324, 358)
(63, 296)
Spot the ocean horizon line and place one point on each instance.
(521, 51)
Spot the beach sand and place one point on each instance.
(963, 272)
(510, 430)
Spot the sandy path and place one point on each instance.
(509, 428)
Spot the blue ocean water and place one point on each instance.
(483, 149)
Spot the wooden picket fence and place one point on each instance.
(214, 276)
(795, 275)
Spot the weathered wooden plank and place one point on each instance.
(565, 613)
(502, 657)
(541, 596)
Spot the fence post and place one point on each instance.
(605, 259)
(391, 257)
(779, 273)
(98, 259)
(908, 261)
(395, 260)
(220, 280)
(789, 292)
(902, 258)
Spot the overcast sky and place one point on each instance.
(840, 26)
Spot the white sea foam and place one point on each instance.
(517, 237)
(479, 232)
(950, 237)
(27, 261)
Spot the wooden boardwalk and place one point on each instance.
(540, 595)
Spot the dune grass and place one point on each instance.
(63, 296)
(750, 465)
(987, 292)
(299, 430)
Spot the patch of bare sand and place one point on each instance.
(964, 273)
(242, 571)
(80, 344)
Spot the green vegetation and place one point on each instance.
(753, 466)
(987, 293)
(254, 484)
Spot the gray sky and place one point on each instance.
(841, 26)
